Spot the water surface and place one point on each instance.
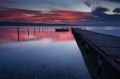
(109, 30)
(40, 53)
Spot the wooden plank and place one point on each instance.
(118, 60)
(110, 50)
(108, 46)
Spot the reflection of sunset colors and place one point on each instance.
(29, 16)
(11, 35)
(56, 36)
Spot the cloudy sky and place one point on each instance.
(99, 10)
(76, 5)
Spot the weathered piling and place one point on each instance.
(18, 34)
(34, 31)
(28, 32)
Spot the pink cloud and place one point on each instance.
(29, 16)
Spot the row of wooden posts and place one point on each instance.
(28, 32)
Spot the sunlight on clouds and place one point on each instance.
(30, 15)
(46, 12)
(111, 12)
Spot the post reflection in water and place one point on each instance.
(24, 34)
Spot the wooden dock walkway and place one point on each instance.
(107, 46)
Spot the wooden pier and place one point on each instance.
(106, 47)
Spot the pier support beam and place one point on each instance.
(28, 32)
(18, 34)
(34, 32)
(99, 67)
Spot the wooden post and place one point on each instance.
(18, 33)
(99, 67)
(39, 30)
(28, 33)
(86, 47)
(34, 32)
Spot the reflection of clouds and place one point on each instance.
(103, 28)
(11, 35)
(46, 40)
(109, 30)
(31, 37)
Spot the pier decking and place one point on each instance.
(106, 46)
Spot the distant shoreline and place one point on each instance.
(35, 24)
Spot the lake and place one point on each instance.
(110, 30)
(43, 53)
(40, 53)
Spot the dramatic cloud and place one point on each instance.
(30, 16)
(117, 10)
(100, 10)
(99, 15)
(113, 0)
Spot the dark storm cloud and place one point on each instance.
(99, 15)
(100, 10)
(117, 10)
(117, 1)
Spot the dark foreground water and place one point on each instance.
(40, 53)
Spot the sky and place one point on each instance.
(60, 11)
(76, 5)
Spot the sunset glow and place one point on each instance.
(11, 35)
(30, 16)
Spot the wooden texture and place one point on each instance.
(106, 45)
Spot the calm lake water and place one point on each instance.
(40, 53)
(110, 30)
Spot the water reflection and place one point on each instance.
(40, 54)
(109, 30)
(24, 34)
